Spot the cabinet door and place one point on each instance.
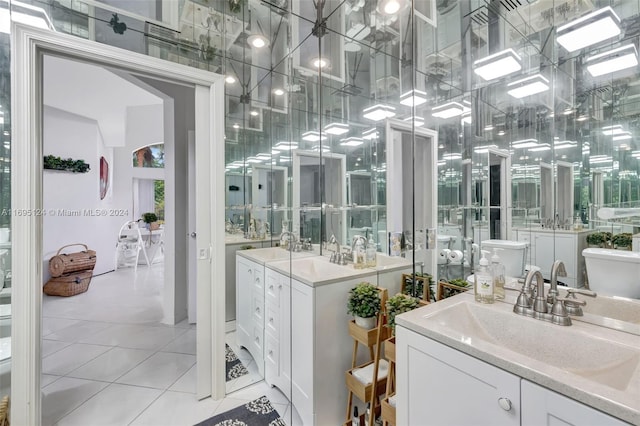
(545, 253)
(541, 406)
(441, 386)
(284, 295)
(244, 303)
(302, 350)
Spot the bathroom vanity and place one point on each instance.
(292, 317)
(512, 370)
(546, 245)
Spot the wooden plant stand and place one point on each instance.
(389, 411)
(410, 280)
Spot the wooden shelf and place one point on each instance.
(367, 337)
(359, 389)
(388, 411)
(390, 349)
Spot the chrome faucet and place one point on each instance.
(538, 307)
(573, 304)
(290, 241)
(557, 270)
(336, 255)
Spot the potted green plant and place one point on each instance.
(622, 241)
(364, 304)
(399, 304)
(149, 218)
(596, 239)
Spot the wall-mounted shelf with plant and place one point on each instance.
(52, 162)
(364, 304)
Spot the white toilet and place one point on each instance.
(613, 272)
(513, 255)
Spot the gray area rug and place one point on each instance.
(234, 367)
(258, 412)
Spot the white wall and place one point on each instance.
(68, 135)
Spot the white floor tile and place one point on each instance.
(64, 395)
(176, 409)
(77, 331)
(70, 358)
(50, 325)
(51, 346)
(111, 365)
(188, 381)
(159, 371)
(229, 403)
(183, 344)
(47, 379)
(135, 336)
(115, 405)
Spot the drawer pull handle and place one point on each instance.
(505, 404)
(271, 319)
(270, 353)
(257, 279)
(249, 270)
(258, 310)
(280, 286)
(257, 339)
(271, 287)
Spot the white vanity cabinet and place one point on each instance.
(441, 385)
(278, 331)
(546, 246)
(544, 407)
(250, 308)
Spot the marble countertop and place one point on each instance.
(621, 401)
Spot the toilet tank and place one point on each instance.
(513, 254)
(613, 272)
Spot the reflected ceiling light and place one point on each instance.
(253, 160)
(230, 79)
(353, 141)
(312, 136)
(233, 166)
(466, 118)
(616, 129)
(448, 110)
(320, 62)
(336, 128)
(622, 136)
(370, 134)
(318, 147)
(257, 40)
(442, 163)
(236, 126)
(540, 147)
(254, 113)
(417, 121)
(488, 128)
(525, 143)
(600, 159)
(379, 112)
(263, 156)
(286, 146)
(275, 152)
(278, 92)
(612, 61)
(452, 156)
(483, 149)
(389, 7)
(413, 98)
(635, 154)
(568, 111)
(588, 30)
(285, 159)
(528, 86)
(498, 65)
(564, 144)
(582, 118)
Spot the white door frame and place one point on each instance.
(505, 191)
(27, 49)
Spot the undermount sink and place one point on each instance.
(318, 268)
(593, 358)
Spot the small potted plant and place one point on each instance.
(597, 239)
(364, 304)
(150, 219)
(399, 304)
(622, 241)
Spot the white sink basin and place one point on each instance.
(389, 262)
(271, 254)
(617, 308)
(576, 352)
(318, 268)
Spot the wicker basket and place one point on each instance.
(68, 284)
(61, 264)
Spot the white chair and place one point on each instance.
(129, 246)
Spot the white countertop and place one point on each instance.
(273, 254)
(553, 231)
(240, 239)
(621, 400)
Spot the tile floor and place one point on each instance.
(108, 359)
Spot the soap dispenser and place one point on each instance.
(371, 254)
(359, 252)
(498, 271)
(483, 281)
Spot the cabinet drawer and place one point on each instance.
(257, 341)
(258, 277)
(257, 308)
(272, 319)
(271, 356)
(272, 292)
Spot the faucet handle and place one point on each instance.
(571, 301)
(571, 293)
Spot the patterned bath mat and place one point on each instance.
(258, 412)
(234, 368)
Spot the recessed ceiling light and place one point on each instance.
(498, 65)
(588, 30)
(254, 113)
(448, 110)
(389, 7)
(379, 112)
(278, 92)
(352, 141)
(540, 147)
(230, 79)
(320, 62)
(257, 40)
(413, 98)
(501, 133)
(236, 126)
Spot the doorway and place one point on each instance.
(27, 52)
(499, 194)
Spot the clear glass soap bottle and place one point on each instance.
(483, 279)
(371, 254)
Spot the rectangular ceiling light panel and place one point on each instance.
(612, 61)
(351, 142)
(336, 128)
(379, 112)
(498, 65)
(413, 98)
(448, 110)
(591, 29)
(525, 143)
(528, 86)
